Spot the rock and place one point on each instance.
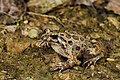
(11, 28)
(13, 8)
(51, 26)
(85, 2)
(110, 59)
(114, 5)
(33, 33)
(43, 6)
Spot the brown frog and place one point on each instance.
(13, 8)
(71, 46)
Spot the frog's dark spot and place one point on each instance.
(75, 37)
(68, 36)
(54, 36)
(87, 51)
(61, 34)
(63, 46)
(62, 39)
(81, 38)
(70, 42)
(77, 47)
(82, 45)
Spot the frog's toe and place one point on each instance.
(53, 68)
(60, 66)
(91, 61)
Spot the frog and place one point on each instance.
(71, 45)
(13, 8)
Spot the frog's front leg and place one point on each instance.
(65, 65)
(62, 66)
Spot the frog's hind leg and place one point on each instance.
(65, 65)
(60, 66)
(92, 61)
(71, 61)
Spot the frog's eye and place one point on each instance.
(54, 36)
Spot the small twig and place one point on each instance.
(48, 16)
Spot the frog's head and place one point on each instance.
(50, 36)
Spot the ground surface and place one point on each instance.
(19, 60)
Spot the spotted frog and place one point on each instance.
(72, 46)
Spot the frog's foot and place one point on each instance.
(91, 61)
(64, 65)
(60, 66)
